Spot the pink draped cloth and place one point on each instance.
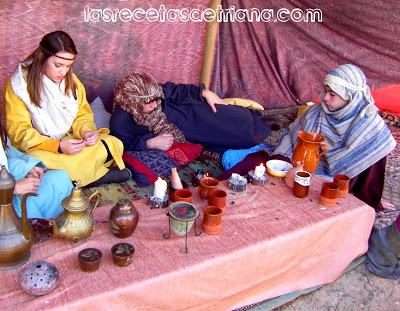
(272, 243)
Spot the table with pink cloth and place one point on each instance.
(272, 243)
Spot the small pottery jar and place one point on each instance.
(207, 184)
(39, 278)
(212, 220)
(123, 219)
(329, 194)
(217, 197)
(182, 217)
(183, 195)
(122, 254)
(343, 181)
(289, 178)
(302, 180)
(89, 259)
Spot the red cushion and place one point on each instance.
(184, 153)
(388, 98)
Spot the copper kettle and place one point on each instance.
(16, 235)
(76, 222)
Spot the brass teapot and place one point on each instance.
(76, 222)
(16, 235)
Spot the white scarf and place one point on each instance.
(3, 156)
(57, 112)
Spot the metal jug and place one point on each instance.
(16, 235)
(76, 222)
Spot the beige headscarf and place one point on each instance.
(140, 88)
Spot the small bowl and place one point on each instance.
(122, 254)
(278, 168)
(89, 259)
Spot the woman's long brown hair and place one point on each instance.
(50, 44)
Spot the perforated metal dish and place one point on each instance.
(39, 278)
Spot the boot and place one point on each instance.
(114, 175)
(383, 252)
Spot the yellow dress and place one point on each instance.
(86, 166)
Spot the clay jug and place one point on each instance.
(16, 235)
(309, 150)
(289, 178)
(123, 219)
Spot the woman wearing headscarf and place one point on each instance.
(49, 117)
(152, 116)
(357, 136)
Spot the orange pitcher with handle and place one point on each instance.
(309, 149)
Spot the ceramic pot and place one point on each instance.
(207, 184)
(343, 181)
(217, 197)
(329, 194)
(212, 220)
(89, 259)
(183, 195)
(302, 180)
(39, 278)
(309, 149)
(122, 254)
(123, 219)
(289, 178)
(182, 217)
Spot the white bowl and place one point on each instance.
(278, 168)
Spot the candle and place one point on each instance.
(259, 170)
(160, 187)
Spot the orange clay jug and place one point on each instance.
(309, 150)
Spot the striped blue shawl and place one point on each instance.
(356, 135)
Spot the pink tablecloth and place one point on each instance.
(272, 243)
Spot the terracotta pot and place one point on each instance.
(212, 220)
(183, 195)
(309, 149)
(122, 254)
(217, 197)
(207, 184)
(123, 219)
(302, 180)
(329, 194)
(89, 259)
(343, 181)
(289, 178)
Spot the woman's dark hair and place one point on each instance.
(50, 45)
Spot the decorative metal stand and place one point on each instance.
(257, 181)
(155, 202)
(197, 233)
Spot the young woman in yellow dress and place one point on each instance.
(49, 117)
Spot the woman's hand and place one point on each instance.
(160, 142)
(212, 99)
(90, 138)
(72, 146)
(36, 172)
(27, 184)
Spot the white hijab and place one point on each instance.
(57, 112)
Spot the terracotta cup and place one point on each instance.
(217, 198)
(89, 259)
(329, 194)
(343, 181)
(206, 185)
(183, 195)
(212, 220)
(302, 180)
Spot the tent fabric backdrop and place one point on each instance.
(107, 51)
(280, 64)
(277, 64)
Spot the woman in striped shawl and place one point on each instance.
(357, 136)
